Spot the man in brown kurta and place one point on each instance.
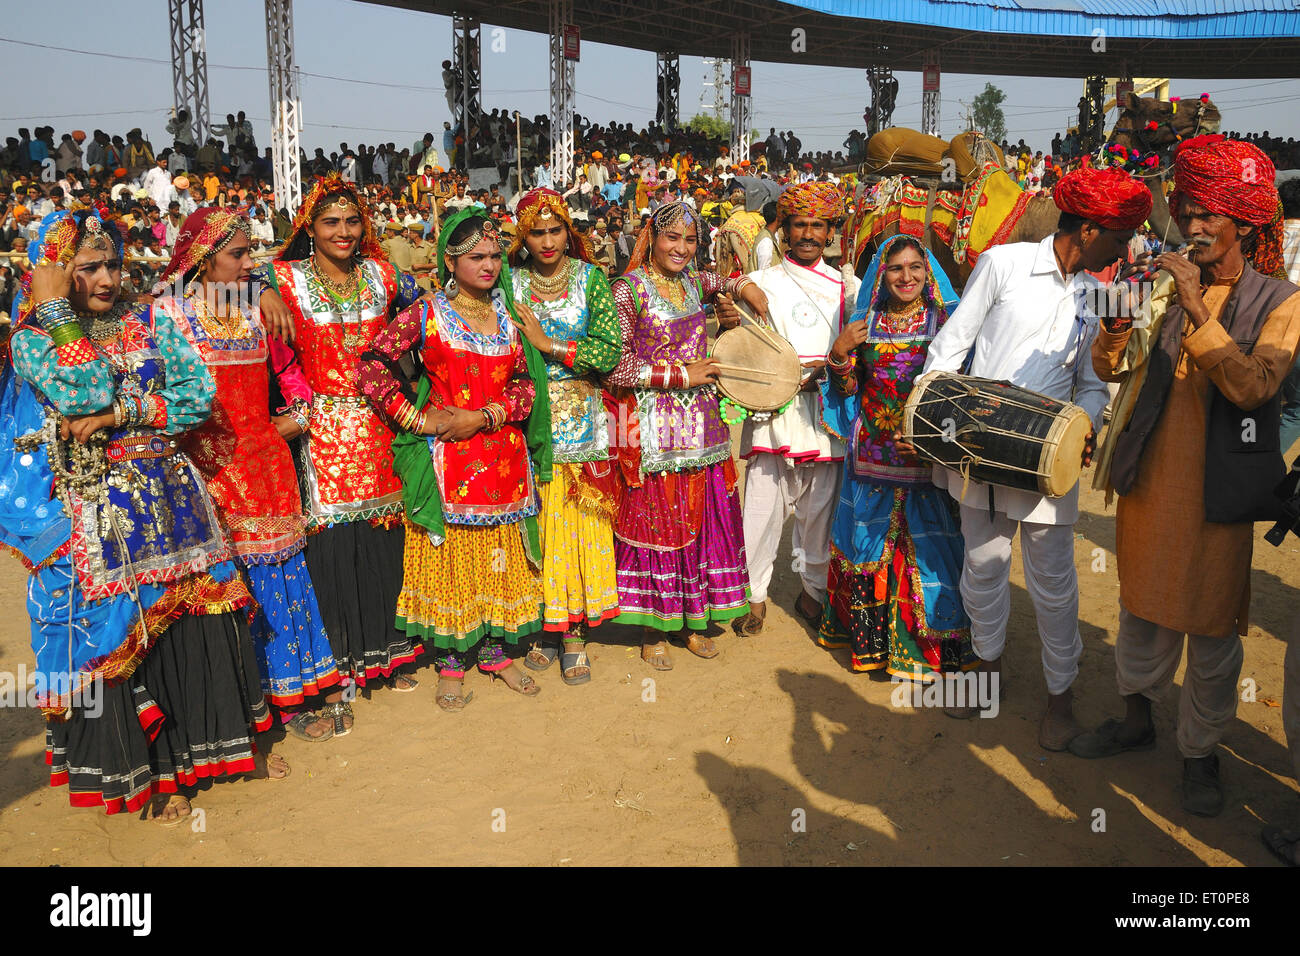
(1232, 334)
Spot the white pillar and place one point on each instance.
(190, 64)
(741, 116)
(562, 84)
(286, 106)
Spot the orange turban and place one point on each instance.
(1108, 196)
(820, 200)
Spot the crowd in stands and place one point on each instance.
(621, 174)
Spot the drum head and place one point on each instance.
(764, 370)
(1063, 453)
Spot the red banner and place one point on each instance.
(572, 38)
(930, 80)
(740, 81)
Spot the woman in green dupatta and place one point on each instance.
(473, 442)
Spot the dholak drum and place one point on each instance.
(758, 369)
(996, 432)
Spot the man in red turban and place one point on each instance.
(1027, 316)
(1198, 459)
(1109, 197)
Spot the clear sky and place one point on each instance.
(373, 74)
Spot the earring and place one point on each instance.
(451, 288)
(311, 245)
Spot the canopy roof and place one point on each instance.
(1184, 38)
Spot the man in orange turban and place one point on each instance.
(1198, 459)
(1025, 317)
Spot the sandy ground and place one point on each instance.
(773, 753)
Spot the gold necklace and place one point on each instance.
(340, 290)
(475, 312)
(670, 287)
(228, 327)
(557, 283)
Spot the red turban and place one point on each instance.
(1232, 178)
(1109, 197)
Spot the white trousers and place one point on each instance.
(775, 486)
(1146, 657)
(1050, 578)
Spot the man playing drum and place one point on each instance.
(1200, 452)
(793, 463)
(1026, 316)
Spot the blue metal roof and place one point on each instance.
(1138, 19)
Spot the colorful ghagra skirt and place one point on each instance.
(289, 636)
(579, 582)
(680, 550)
(892, 594)
(478, 584)
(186, 710)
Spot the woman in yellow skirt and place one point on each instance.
(566, 311)
(473, 443)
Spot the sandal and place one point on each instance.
(657, 656)
(452, 701)
(338, 711)
(271, 766)
(751, 623)
(541, 656)
(1282, 843)
(403, 683)
(572, 661)
(163, 802)
(298, 724)
(526, 687)
(813, 618)
(702, 646)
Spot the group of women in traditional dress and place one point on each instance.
(271, 487)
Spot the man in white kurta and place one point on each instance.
(793, 464)
(1029, 315)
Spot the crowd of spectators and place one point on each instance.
(621, 174)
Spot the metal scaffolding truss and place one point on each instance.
(668, 81)
(562, 87)
(930, 116)
(190, 64)
(286, 105)
(467, 66)
(741, 116)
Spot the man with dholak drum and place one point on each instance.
(1026, 316)
(1198, 458)
(793, 463)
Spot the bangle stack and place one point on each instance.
(410, 418)
(495, 415)
(300, 412)
(58, 320)
(130, 410)
(564, 351)
(669, 376)
(841, 367)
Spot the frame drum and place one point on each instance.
(759, 369)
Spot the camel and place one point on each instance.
(946, 192)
